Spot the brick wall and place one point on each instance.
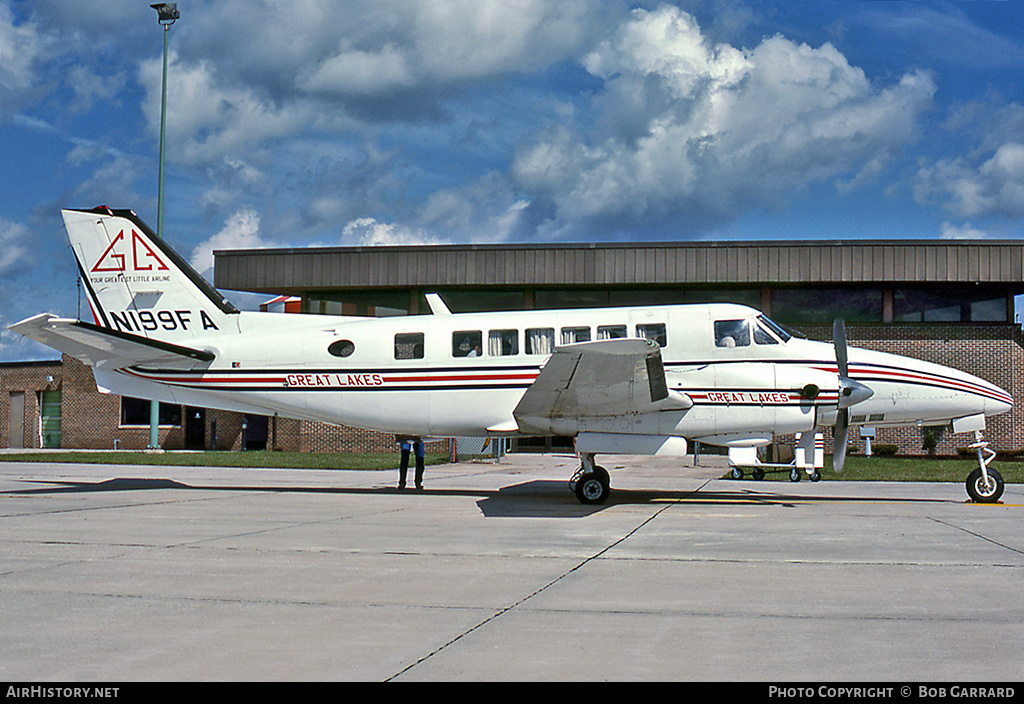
(30, 378)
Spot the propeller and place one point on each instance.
(850, 392)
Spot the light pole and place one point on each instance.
(167, 13)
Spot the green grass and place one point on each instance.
(908, 469)
(252, 459)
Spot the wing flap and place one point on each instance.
(606, 378)
(104, 348)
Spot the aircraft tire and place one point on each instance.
(593, 488)
(980, 492)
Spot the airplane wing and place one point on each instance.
(104, 348)
(598, 379)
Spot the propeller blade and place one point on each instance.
(839, 339)
(840, 436)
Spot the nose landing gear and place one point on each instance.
(984, 485)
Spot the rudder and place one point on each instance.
(137, 284)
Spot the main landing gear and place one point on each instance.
(984, 485)
(591, 482)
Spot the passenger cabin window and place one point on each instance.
(409, 345)
(653, 331)
(467, 343)
(573, 335)
(342, 348)
(610, 332)
(502, 343)
(540, 340)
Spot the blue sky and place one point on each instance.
(313, 122)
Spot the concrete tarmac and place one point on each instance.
(495, 572)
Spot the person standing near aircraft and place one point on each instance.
(408, 445)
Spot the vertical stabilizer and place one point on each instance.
(137, 284)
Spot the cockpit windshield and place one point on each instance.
(779, 331)
(757, 330)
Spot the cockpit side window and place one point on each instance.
(763, 337)
(732, 333)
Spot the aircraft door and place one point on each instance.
(745, 399)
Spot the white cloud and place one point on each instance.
(23, 47)
(961, 232)
(486, 210)
(212, 119)
(698, 129)
(425, 44)
(240, 231)
(14, 250)
(994, 186)
(368, 231)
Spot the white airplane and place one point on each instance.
(631, 380)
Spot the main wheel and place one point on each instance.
(982, 492)
(593, 488)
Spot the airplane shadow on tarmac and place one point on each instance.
(536, 498)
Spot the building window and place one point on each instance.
(817, 306)
(949, 305)
(135, 411)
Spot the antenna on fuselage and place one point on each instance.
(437, 306)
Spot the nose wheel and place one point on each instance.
(984, 489)
(984, 485)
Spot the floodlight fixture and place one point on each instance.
(166, 12)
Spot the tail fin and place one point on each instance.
(137, 284)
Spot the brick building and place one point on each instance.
(951, 302)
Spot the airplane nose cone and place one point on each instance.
(1001, 403)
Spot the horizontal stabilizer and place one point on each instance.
(104, 348)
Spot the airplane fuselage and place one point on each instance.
(464, 374)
